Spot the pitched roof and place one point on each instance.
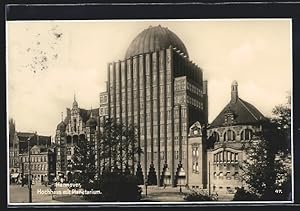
(85, 114)
(35, 140)
(244, 113)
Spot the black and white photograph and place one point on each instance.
(149, 111)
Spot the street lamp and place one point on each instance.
(29, 170)
(167, 177)
(146, 185)
(181, 178)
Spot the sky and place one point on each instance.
(48, 62)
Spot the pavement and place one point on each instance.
(19, 194)
(161, 194)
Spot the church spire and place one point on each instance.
(75, 104)
(234, 92)
(91, 116)
(62, 116)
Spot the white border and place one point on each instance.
(134, 204)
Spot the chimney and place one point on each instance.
(234, 92)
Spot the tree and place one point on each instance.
(118, 153)
(266, 172)
(119, 147)
(83, 164)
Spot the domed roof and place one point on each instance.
(61, 126)
(154, 39)
(92, 122)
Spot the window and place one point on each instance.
(229, 135)
(246, 134)
(221, 175)
(236, 157)
(176, 155)
(162, 155)
(216, 136)
(236, 175)
(176, 127)
(228, 175)
(215, 175)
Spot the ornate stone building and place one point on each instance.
(230, 132)
(78, 125)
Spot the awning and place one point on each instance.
(14, 175)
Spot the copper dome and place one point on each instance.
(154, 39)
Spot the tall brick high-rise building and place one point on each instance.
(161, 91)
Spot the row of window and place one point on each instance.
(194, 102)
(36, 159)
(180, 85)
(226, 156)
(230, 135)
(194, 89)
(180, 99)
(103, 111)
(36, 167)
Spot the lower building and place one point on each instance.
(18, 146)
(41, 161)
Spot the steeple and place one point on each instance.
(75, 104)
(234, 92)
(62, 116)
(91, 115)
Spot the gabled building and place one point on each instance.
(78, 125)
(229, 134)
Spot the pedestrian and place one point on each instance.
(165, 186)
